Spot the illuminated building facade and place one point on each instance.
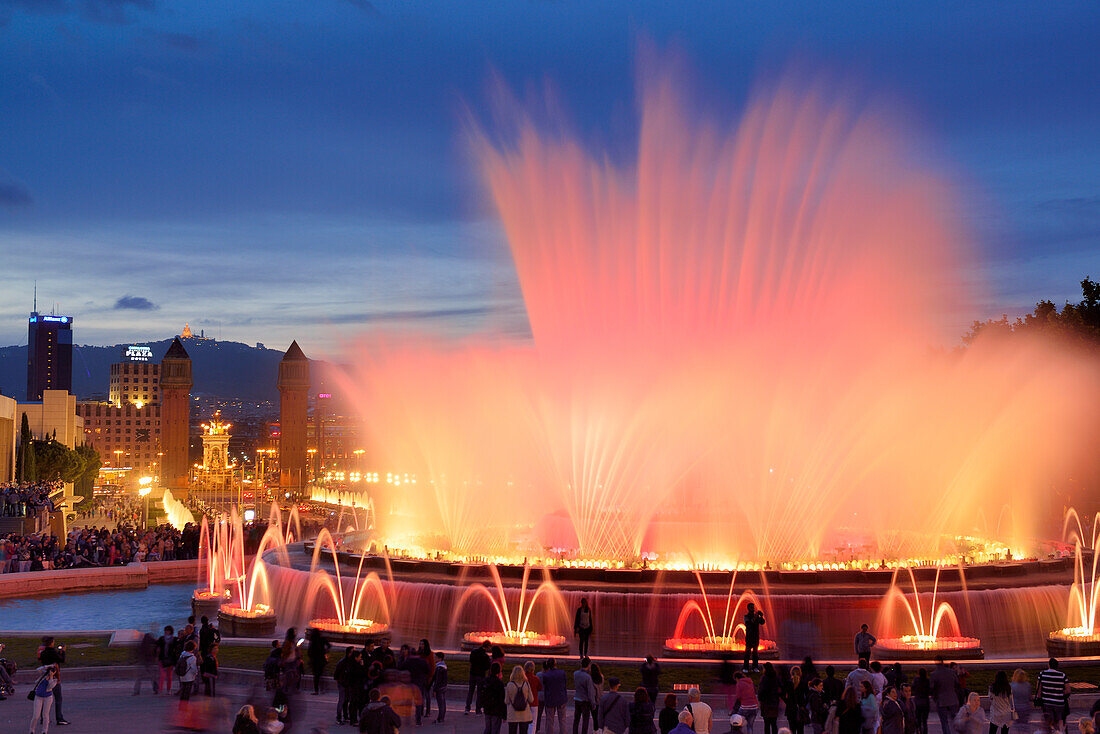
(49, 354)
(175, 417)
(126, 429)
(216, 478)
(293, 417)
(136, 379)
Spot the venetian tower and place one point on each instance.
(293, 393)
(175, 418)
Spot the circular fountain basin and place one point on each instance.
(716, 647)
(914, 647)
(518, 643)
(206, 604)
(1073, 642)
(353, 632)
(236, 622)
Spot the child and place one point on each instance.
(271, 666)
(439, 686)
(209, 671)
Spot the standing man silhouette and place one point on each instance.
(754, 620)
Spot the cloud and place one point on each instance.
(13, 196)
(135, 303)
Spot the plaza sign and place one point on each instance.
(139, 354)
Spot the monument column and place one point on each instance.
(175, 418)
(293, 395)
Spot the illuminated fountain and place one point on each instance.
(175, 512)
(515, 634)
(250, 613)
(717, 641)
(732, 345)
(926, 640)
(215, 571)
(348, 625)
(1080, 637)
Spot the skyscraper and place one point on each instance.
(293, 395)
(49, 354)
(175, 417)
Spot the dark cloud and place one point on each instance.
(135, 303)
(13, 196)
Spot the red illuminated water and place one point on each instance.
(734, 356)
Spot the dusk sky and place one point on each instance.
(286, 169)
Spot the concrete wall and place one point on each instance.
(134, 576)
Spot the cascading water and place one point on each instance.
(925, 635)
(724, 639)
(515, 632)
(731, 359)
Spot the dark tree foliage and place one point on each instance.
(92, 463)
(24, 462)
(1077, 322)
(55, 461)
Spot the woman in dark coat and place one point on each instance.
(641, 714)
(770, 695)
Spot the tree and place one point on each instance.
(25, 470)
(55, 460)
(1078, 322)
(84, 483)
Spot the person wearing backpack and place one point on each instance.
(519, 697)
(378, 717)
(187, 670)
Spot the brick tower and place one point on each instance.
(293, 392)
(175, 418)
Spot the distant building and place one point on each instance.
(53, 417)
(175, 417)
(125, 430)
(9, 430)
(136, 379)
(293, 417)
(126, 436)
(216, 479)
(49, 354)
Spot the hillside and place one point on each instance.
(221, 368)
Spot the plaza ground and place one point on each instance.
(94, 707)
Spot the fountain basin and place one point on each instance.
(518, 642)
(916, 647)
(1073, 642)
(716, 647)
(354, 632)
(236, 622)
(206, 604)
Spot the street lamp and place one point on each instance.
(143, 490)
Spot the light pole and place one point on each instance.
(143, 490)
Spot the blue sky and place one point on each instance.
(285, 169)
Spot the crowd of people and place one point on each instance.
(91, 546)
(27, 499)
(121, 509)
(383, 691)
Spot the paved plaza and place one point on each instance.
(98, 708)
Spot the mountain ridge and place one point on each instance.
(221, 369)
